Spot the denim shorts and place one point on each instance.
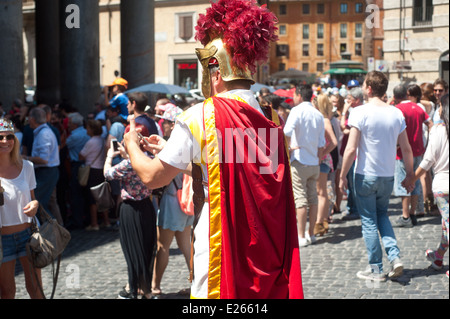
(400, 174)
(324, 168)
(14, 245)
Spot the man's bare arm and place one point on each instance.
(349, 156)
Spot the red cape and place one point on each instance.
(260, 256)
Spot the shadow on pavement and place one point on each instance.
(409, 274)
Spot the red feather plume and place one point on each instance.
(246, 29)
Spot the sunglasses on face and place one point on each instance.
(9, 137)
(438, 90)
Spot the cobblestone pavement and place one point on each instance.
(93, 266)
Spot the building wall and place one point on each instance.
(377, 32)
(29, 44)
(294, 20)
(421, 45)
(168, 49)
(109, 40)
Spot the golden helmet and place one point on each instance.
(236, 35)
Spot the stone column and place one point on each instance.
(47, 52)
(137, 41)
(11, 53)
(79, 45)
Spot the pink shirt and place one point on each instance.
(94, 152)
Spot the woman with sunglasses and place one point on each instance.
(440, 89)
(17, 209)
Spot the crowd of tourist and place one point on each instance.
(352, 143)
(334, 137)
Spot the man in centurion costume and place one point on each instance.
(245, 235)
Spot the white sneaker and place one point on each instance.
(396, 269)
(303, 242)
(311, 239)
(369, 274)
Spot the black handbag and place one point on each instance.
(103, 196)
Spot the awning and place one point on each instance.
(258, 86)
(291, 73)
(285, 93)
(159, 88)
(345, 71)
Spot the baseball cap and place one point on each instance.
(120, 81)
(6, 125)
(352, 83)
(171, 113)
(165, 107)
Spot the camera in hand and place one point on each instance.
(115, 145)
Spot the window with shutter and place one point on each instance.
(185, 25)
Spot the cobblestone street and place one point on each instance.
(93, 266)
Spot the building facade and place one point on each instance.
(416, 40)
(174, 44)
(312, 34)
(407, 39)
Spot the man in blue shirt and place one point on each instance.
(45, 156)
(118, 99)
(78, 136)
(75, 143)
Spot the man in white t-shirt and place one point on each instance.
(376, 130)
(305, 130)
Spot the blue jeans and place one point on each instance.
(351, 202)
(46, 181)
(372, 199)
(77, 198)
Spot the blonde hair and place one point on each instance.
(323, 104)
(15, 156)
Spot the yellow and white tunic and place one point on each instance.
(186, 144)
